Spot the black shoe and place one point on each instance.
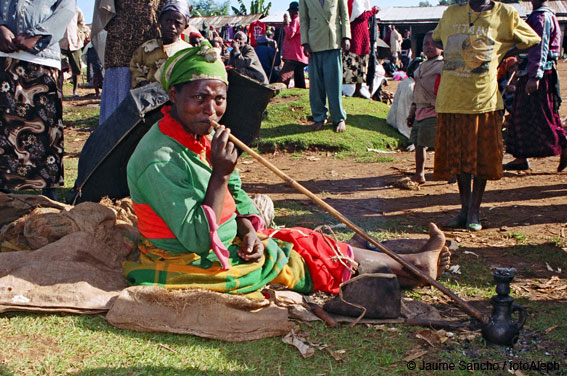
(516, 166)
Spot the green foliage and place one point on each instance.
(424, 4)
(256, 7)
(202, 8)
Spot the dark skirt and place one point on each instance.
(31, 126)
(535, 129)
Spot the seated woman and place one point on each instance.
(152, 54)
(243, 58)
(199, 227)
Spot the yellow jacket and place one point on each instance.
(323, 28)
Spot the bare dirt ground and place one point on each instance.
(532, 202)
(520, 209)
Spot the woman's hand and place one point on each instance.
(26, 42)
(223, 153)
(252, 248)
(409, 121)
(532, 86)
(7, 40)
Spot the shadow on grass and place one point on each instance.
(518, 209)
(151, 371)
(91, 123)
(263, 356)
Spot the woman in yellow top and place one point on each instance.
(476, 36)
(152, 54)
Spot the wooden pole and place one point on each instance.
(335, 213)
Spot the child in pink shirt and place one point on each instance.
(422, 118)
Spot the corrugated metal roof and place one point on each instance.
(400, 15)
(410, 14)
(560, 8)
(275, 17)
(220, 21)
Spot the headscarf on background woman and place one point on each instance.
(152, 54)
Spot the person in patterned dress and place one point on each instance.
(31, 125)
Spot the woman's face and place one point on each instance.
(172, 24)
(196, 103)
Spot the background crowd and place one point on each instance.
(334, 41)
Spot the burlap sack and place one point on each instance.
(46, 225)
(77, 273)
(123, 209)
(199, 312)
(14, 206)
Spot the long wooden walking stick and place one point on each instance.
(335, 213)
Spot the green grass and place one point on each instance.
(286, 127)
(520, 237)
(81, 117)
(87, 345)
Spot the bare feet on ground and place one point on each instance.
(433, 259)
(340, 127)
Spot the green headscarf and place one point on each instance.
(192, 64)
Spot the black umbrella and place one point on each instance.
(103, 160)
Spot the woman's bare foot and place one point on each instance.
(433, 259)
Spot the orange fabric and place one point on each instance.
(505, 67)
(150, 224)
(469, 143)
